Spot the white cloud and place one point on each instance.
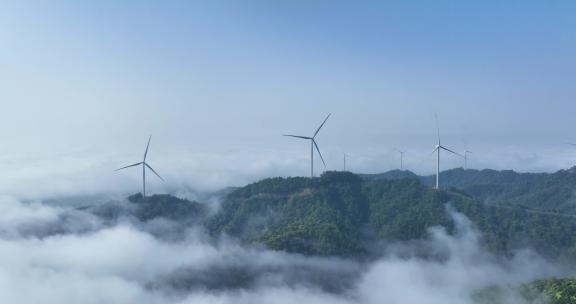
(122, 264)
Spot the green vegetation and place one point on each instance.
(166, 206)
(556, 291)
(310, 216)
(404, 209)
(339, 212)
(554, 192)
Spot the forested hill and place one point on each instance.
(341, 214)
(549, 192)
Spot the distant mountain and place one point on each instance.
(144, 209)
(167, 207)
(394, 174)
(343, 214)
(552, 192)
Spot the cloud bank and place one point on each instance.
(90, 259)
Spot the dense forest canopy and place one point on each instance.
(339, 212)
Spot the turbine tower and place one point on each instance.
(313, 145)
(401, 158)
(144, 166)
(438, 148)
(345, 157)
(466, 152)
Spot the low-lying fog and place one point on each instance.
(52, 253)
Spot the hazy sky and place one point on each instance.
(83, 83)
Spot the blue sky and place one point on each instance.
(217, 82)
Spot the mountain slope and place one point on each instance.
(310, 216)
(552, 192)
(340, 214)
(557, 291)
(155, 207)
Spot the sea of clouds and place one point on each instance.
(55, 253)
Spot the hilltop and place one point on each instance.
(550, 192)
(150, 208)
(342, 214)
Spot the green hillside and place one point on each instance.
(556, 291)
(339, 213)
(311, 216)
(551, 192)
(167, 207)
(144, 209)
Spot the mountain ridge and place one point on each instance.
(553, 192)
(339, 211)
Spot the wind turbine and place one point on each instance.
(313, 145)
(345, 156)
(144, 166)
(466, 152)
(401, 158)
(439, 147)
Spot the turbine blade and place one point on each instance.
(160, 177)
(148, 145)
(434, 150)
(136, 164)
(571, 144)
(320, 127)
(297, 136)
(318, 149)
(451, 151)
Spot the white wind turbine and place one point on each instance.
(439, 147)
(466, 152)
(144, 166)
(313, 145)
(345, 157)
(401, 158)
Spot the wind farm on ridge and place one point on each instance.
(437, 151)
